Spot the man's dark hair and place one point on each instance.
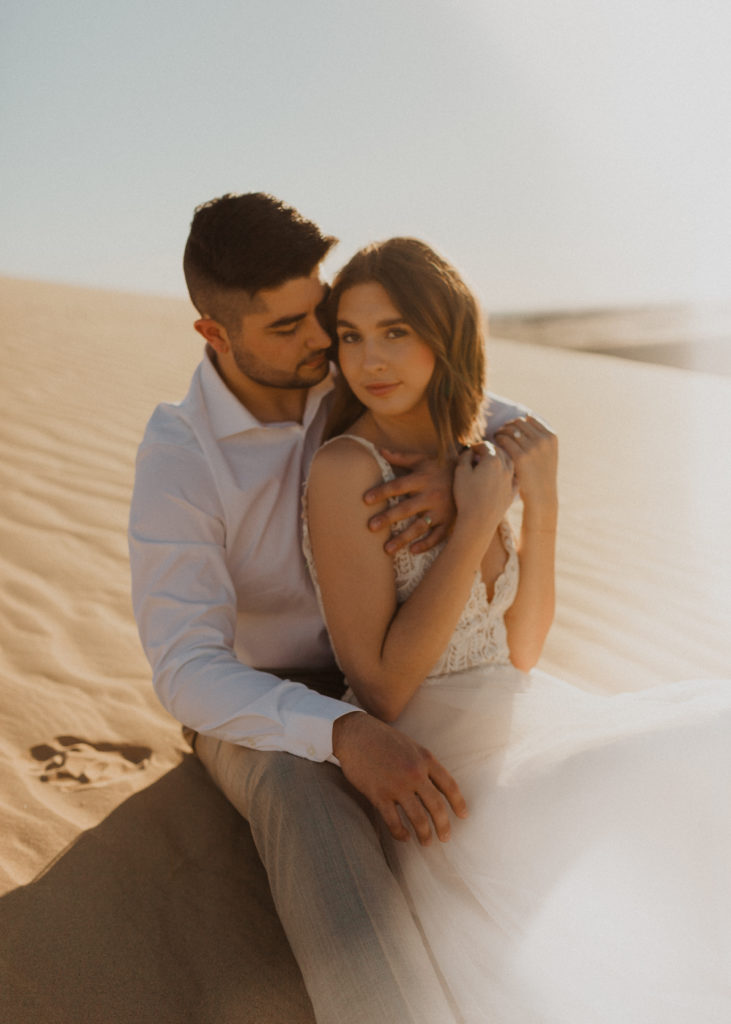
(244, 243)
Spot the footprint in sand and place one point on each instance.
(73, 763)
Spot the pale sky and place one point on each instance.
(564, 153)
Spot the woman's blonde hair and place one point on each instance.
(434, 300)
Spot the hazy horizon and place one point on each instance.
(565, 156)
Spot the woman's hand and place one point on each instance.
(533, 449)
(483, 488)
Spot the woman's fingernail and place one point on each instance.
(376, 523)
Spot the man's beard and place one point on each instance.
(258, 371)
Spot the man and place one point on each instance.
(229, 620)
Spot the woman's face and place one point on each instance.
(386, 363)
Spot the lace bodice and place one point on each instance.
(480, 637)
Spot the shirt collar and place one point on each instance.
(227, 415)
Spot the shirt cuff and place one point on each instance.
(351, 707)
(315, 722)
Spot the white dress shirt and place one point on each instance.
(219, 584)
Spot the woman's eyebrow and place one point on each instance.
(381, 323)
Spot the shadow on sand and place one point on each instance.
(160, 914)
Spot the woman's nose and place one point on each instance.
(373, 355)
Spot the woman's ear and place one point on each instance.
(214, 333)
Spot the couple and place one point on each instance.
(573, 890)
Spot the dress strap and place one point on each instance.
(387, 470)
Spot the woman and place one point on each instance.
(589, 882)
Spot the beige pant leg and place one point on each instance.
(360, 953)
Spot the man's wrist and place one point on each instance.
(342, 728)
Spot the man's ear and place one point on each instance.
(214, 333)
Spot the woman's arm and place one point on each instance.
(386, 649)
(535, 457)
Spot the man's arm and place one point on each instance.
(185, 605)
(501, 411)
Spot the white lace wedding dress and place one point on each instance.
(591, 883)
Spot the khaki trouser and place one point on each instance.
(361, 955)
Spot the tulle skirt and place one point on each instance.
(591, 883)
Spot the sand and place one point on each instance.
(129, 890)
(691, 337)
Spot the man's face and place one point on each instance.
(281, 343)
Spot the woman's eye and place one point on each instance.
(348, 338)
(396, 332)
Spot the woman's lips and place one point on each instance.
(379, 390)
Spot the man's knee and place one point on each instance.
(278, 770)
(279, 793)
(294, 787)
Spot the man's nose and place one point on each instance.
(317, 336)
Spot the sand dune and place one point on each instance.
(691, 337)
(131, 892)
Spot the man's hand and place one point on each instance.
(393, 772)
(429, 490)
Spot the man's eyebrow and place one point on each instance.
(285, 321)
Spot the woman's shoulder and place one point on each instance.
(346, 462)
(345, 451)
